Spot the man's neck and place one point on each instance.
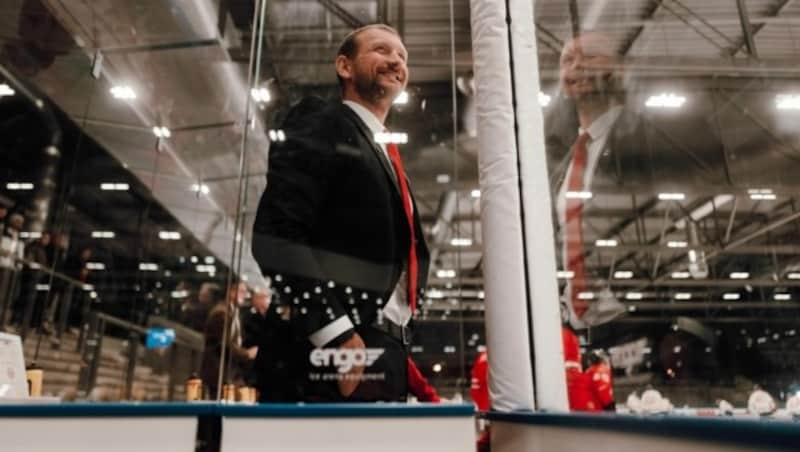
(591, 109)
(379, 108)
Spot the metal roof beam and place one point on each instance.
(341, 13)
(747, 30)
(762, 22)
(647, 19)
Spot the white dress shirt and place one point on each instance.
(397, 309)
(598, 135)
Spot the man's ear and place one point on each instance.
(343, 67)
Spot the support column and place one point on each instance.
(522, 308)
(507, 330)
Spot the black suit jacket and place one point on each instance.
(330, 230)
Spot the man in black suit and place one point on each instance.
(597, 142)
(338, 233)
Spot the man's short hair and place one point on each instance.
(349, 45)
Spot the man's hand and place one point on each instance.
(350, 380)
(252, 352)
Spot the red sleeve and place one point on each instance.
(602, 385)
(479, 388)
(419, 386)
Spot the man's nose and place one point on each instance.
(577, 61)
(395, 60)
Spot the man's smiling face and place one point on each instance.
(379, 69)
(585, 66)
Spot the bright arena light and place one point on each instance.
(665, 100)
(401, 99)
(787, 102)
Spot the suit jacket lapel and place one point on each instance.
(376, 149)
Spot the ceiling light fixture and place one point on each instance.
(565, 274)
(123, 92)
(200, 188)
(677, 244)
(731, 296)
(782, 296)
(739, 275)
(260, 95)
(210, 269)
(671, 196)
(578, 195)
(680, 275)
(277, 135)
(475, 193)
(787, 102)
(148, 266)
(19, 186)
(608, 243)
(448, 273)
(544, 99)
(103, 234)
(634, 296)
(683, 296)
(461, 242)
(623, 274)
(169, 235)
(391, 137)
(162, 132)
(5, 90)
(401, 99)
(665, 100)
(114, 186)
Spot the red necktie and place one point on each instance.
(394, 156)
(574, 229)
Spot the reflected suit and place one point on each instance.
(633, 152)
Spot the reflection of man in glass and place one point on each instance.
(338, 234)
(616, 148)
(587, 81)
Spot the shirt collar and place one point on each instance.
(374, 124)
(602, 125)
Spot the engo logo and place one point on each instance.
(344, 359)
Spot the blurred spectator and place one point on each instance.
(195, 309)
(79, 304)
(3, 215)
(418, 385)
(60, 289)
(600, 379)
(10, 253)
(579, 388)
(224, 318)
(479, 391)
(479, 387)
(29, 305)
(269, 330)
(256, 327)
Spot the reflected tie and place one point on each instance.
(574, 227)
(394, 156)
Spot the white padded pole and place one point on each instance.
(551, 388)
(510, 376)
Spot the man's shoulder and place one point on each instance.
(314, 110)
